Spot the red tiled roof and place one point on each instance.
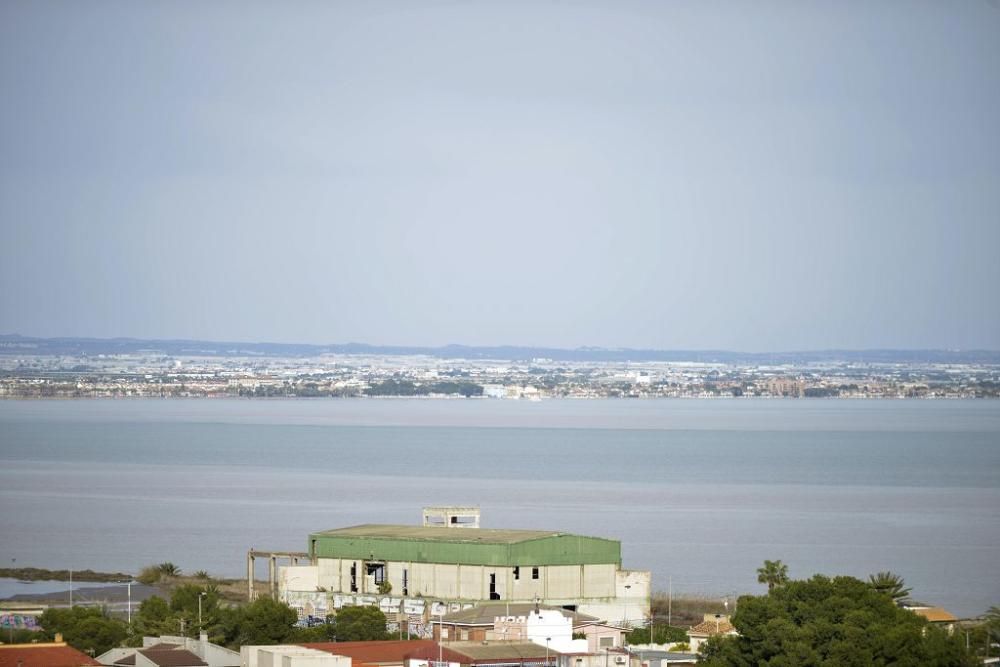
(486, 652)
(712, 628)
(934, 614)
(52, 655)
(380, 652)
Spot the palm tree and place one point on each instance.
(993, 621)
(773, 573)
(168, 569)
(890, 584)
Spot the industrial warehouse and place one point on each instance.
(449, 563)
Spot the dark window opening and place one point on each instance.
(406, 582)
(493, 587)
(354, 577)
(517, 573)
(377, 569)
(569, 607)
(534, 573)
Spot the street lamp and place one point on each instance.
(128, 584)
(200, 596)
(547, 640)
(628, 587)
(129, 587)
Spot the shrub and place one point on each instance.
(149, 575)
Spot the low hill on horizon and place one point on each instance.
(14, 344)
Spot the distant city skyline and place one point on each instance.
(670, 176)
(14, 345)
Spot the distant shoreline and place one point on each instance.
(17, 345)
(42, 574)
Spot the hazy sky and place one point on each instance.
(740, 175)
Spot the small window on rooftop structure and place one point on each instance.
(517, 572)
(534, 573)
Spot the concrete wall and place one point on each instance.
(612, 637)
(298, 578)
(289, 656)
(601, 590)
(466, 582)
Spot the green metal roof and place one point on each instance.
(438, 534)
(466, 546)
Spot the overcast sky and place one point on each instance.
(739, 175)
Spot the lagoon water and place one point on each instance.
(699, 491)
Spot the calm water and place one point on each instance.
(699, 491)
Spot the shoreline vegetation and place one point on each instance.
(681, 610)
(231, 590)
(42, 574)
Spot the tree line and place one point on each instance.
(95, 630)
(842, 621)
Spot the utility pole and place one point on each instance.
(670, 599)
(71, 588)
(440, 634)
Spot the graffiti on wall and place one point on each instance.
(308, 603)
(19, 622)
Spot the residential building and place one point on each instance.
(284, 655)
(712, 625)
(485, 654)
(510, 622)
(381, 653)
(172, 651)
(47, 654)
(654, 658)
(937, 616)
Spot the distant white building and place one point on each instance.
(494, 391)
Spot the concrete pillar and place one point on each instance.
(250, 575)
(272, 578)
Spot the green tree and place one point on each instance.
(773, 573)
(319, 633)
(354, 624)
(88, 629)
(184, 602)
(153, 618)
(890, 584)
(826, 622)
(263, 621)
